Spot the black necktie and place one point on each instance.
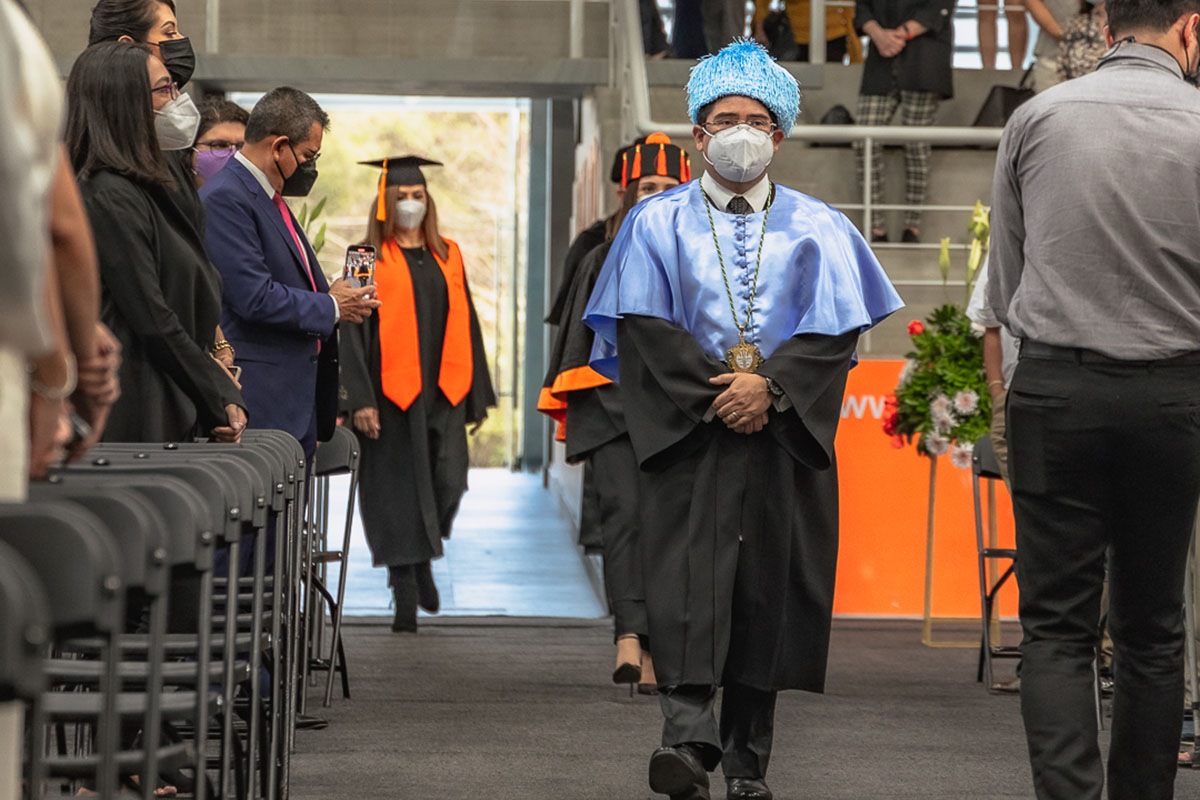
(738, 205)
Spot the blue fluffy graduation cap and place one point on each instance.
(744, 68)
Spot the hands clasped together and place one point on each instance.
(743, 405)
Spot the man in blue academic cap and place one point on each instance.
(731, 307)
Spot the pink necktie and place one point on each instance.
(287, 220)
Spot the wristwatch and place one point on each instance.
(774, 388)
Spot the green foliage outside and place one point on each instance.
(941, 397)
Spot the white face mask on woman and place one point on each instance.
(176, 123)
(740, 153)
(409, 213)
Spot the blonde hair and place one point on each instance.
(380, 230)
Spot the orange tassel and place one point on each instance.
(660, 166)
(636, 172)
(624, 169)
(381, 205)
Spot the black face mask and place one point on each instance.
(301, 181)
(179, 59)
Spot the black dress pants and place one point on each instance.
(1104, 454)
(742, 743)
(615, 476)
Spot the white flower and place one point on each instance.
(942, 423)
(960, 455)
(940, 405)
(966, 402)
(907, 372)
(935, 445)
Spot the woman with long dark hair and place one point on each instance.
(592, 419)
(159, 294)
(414, 375)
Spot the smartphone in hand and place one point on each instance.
(360, 265)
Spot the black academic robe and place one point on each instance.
(161, 297)
(739, 532)
(597, 435)
(412, 478)
(587, 240)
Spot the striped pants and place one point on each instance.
(916, 108)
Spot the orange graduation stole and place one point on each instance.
(399, 349)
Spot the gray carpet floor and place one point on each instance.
(507, 709)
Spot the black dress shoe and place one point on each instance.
(676, 771)
(404, 595)
(746, 789)
(427, 593)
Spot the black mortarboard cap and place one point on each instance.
(399, 171)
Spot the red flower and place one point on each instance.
(898, 442)
(916, 327)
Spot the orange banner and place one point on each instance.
(884, 502)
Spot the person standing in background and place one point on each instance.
(221, 135)
(1083, 42)
(1018, 34)
(413, 378)
(1051, 16)
(1093, 266)
(724, 21)
(840, 39)
(280, 314)
(908, 70)
(160, 294)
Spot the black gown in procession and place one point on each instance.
(597, 436)
(739, 532)
(412, 478)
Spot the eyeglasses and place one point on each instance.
(170, 91)
(311, 159)
(716, 126)
(219, 144)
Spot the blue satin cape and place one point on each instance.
(818, 274)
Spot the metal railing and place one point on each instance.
(628, 75)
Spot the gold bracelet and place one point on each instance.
(57, 392)
(994, 382)
(224, 345)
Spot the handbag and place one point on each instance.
(1002, 101)
(781, 39)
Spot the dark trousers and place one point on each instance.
(742, 743)
(615, 477)
(1103, 454)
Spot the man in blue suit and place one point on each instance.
(279, 314)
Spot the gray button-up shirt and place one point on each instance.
(1096, 212)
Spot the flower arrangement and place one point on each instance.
(941, 396)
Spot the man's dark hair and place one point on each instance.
(1127, 16)
(705, 110)
(285, 112)
(112, 19)
(217, 110)
(110, 115)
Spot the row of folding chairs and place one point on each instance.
(154, 626)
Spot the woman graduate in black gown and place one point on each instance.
(413, 377)
(591, 418)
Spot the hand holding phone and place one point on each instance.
(360, 265)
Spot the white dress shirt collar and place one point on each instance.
(756, 195)
(258, 174)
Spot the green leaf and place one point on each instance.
(302, 217)
(944, 259)
(317, 211)
(319, 239)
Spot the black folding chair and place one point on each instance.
(985, 468)
(338, 456)
(24, 628)
(85, 597)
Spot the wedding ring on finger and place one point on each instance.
(733, 416)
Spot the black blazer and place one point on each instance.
(926, 63)
(161, 297)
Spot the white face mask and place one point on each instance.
(409, 213)
(176, 123)
(740, 153)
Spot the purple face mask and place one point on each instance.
(210, 162)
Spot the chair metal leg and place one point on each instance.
(227, 687)
(255, 733)
(336, 650)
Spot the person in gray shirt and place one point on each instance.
(1095, 266)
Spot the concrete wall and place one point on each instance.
(406, 29)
